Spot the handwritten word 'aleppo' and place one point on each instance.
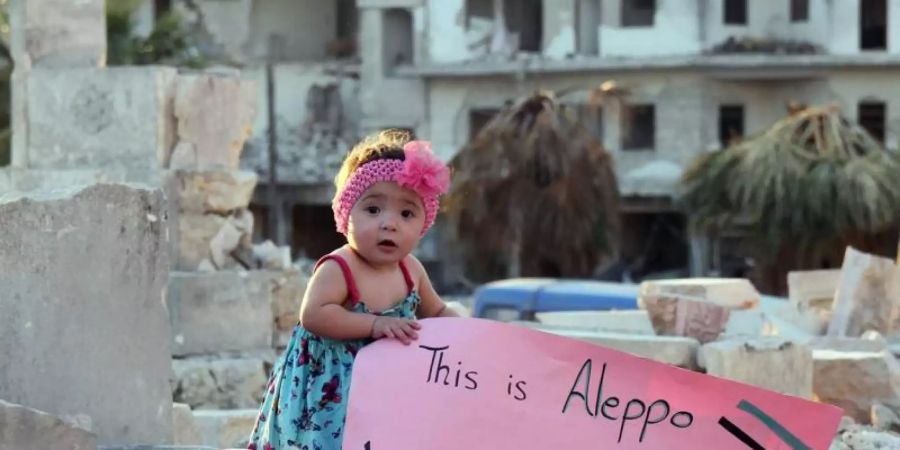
(635, 409)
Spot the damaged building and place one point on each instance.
(697, 74)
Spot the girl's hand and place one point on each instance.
(403, 330)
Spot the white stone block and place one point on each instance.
(770, 363)
(83, 272)
(219, 312)
(100, 118)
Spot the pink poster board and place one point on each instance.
(476, 384)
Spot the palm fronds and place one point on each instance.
(809, 180)
(537, 188)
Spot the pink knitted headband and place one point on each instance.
(421, 172)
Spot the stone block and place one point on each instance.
(24, 428)
(212, 238)
(695, 307)
(636, 322)
(219, 312)
(184, 426)
(675, 350)
(868, 296)
(83, 274)
(215, 115)
(220, 192)
(813, 288)
(214, 382)
(58, 33)
(228, 428)
(770, 363)
(287, 289)
(103, 118)
(855, 380)
(195, 232)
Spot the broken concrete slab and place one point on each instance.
(215, 115)
(212, 237)
(103, 118)
(813, 288)
(222, 382)
(695, 307)
(863, 438)
(855, 380)
(184, 427)
(219, 312)
(195, 232)
(83, 272)
(868, 296)
(675, 350)
(24, 428)
(226, 428)
(771, 363)
(58, 33)
(636, 322)
(220, 192)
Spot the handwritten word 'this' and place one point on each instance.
(438, 368)
(635, 409)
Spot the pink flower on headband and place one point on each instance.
(422, 171)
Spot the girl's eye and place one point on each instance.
(372, 209)
(407, 214)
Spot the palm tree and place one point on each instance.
(803, 189)
(534, 192)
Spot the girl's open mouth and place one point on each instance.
(387, 244)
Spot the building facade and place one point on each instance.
(697, 73)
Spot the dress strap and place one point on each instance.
(406, 276)
(348, 275)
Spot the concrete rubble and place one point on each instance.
(698, 308)
(24, 428)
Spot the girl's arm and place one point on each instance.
(323, 313)
(432, 305)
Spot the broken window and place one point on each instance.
(525, 19)
(871, 116)
(161, 7)
(731, 123)
(347, 28)
(873, 24)
(638, 13)
(587, 13)
(398, 39)
(478, 9)
(639, 127)
(478, 118)
(735, 12)
(799, 10)
(347, 19)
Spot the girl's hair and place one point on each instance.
(387, 144)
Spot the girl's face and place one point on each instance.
(386, 223)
